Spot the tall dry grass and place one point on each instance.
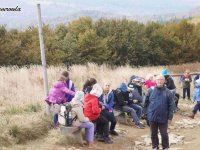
(22, 92)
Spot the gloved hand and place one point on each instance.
(135, 101)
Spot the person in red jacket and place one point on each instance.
(93, 112)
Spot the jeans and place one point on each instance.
(196, 107)
(132, 112)
(154, 126)
(110, 116)
(89, 131)
(186, 90)
(138, 109)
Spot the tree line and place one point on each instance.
(109, 41)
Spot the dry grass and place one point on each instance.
(22, 94)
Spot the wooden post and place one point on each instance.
(45, 80)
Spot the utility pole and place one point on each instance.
(44, 66)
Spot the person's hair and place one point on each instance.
(64, 76)
(89, 83)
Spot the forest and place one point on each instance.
(114, 42)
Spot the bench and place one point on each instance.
(121, 117)
(73, 132)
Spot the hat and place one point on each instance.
(79, 96)
(96, 90)
(165, 72)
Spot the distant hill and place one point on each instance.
(53, 14)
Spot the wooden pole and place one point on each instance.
(44, 66)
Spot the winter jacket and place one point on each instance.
(186, 81)
(149, 83)
(159, 104)
(196, 94)
(136, 93)
(70, 85)
(58, 92)
(91, 107)
(77, 110)
(169, 82)
(107, 100)
(121, 96)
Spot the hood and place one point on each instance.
(96, 90)
(123, 87)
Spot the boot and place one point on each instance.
(192, 115)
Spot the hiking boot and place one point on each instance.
(192, 116)
(139, 126)
(113, 132)
(107, 140)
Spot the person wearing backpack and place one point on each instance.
(160, 105)
(107, 101)
(56, 96)
(79, 120)
(93, 112)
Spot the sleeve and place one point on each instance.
(110, 103)
(171, 105)
(190, 78)
(95, 107)
(66, 90)
(146, 102)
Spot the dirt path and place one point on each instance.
(181, 126)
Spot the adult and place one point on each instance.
(122, 101)
(160, 104)
(186, 79)
(107, 101)
(57, 96)
(149, 81)
(70, 86)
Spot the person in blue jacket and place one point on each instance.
(160, 105)
(196, 98)
(106, 100)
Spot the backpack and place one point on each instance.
(65, 115)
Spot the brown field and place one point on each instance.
(22, 116)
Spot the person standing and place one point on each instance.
(186, 80)
(159, 104)
(196, 98)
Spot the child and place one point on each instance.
(93, 112)
(57, 96)
(82, 121)
(196, 98)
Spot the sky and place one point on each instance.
(59, 8)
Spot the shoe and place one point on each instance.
(139, 126)
(113, 132)
(107, 140)
(100, 138)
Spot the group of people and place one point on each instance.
(94, 106)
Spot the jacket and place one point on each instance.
(91, 107)
(58, 92)
(149, 83)
(169, 82)
(186, 81)
(159, 104)
(70, 85)
(196, 96)
(107, 100)
(136, 93)
(77, 110)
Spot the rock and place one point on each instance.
(138, 143)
